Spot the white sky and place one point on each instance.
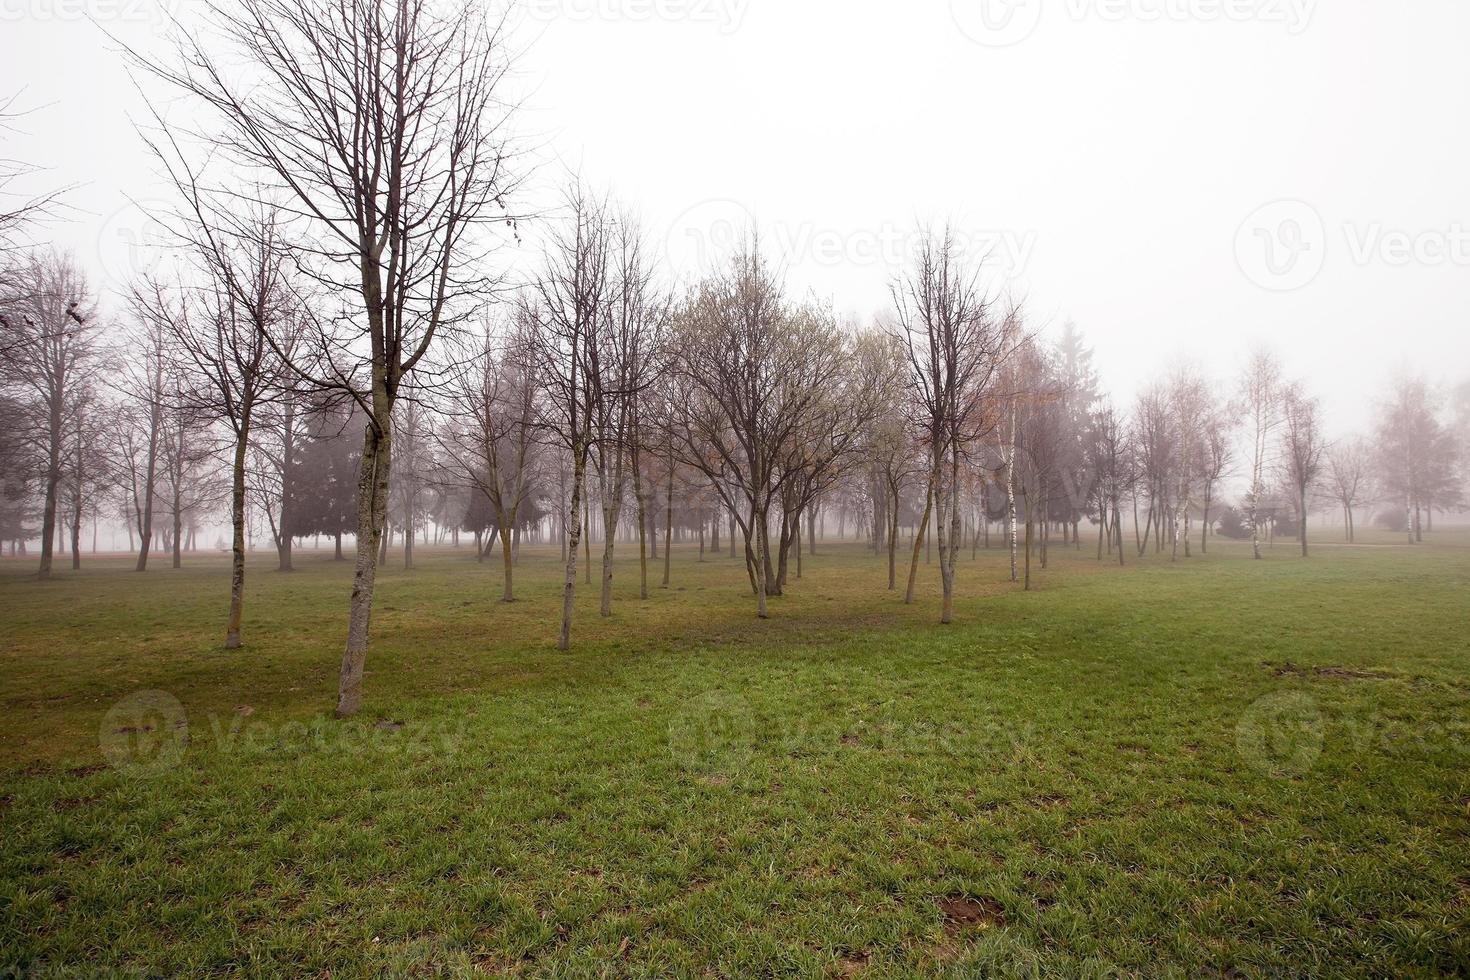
(1114, 155)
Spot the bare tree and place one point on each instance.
(18, 208)
(1302, 448)
(1218, 456)
(382, 122)
(631, 349)
(756, 373)
(1112, 461)
(87, 480)
(890, 448)
(1417, 454)
(1260, 405)
(49, 340)
(954, 343)
(493, 400)
(222, 340)
(1348, 466)
(1190, 405)
(570, 310)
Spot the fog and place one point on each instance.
(1184, 180)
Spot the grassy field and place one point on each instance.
(1219, 767)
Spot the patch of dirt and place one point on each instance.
(1289, 669)
(852, 964)
(967, 911)
(850, 740)
(389, 726)
(81, 772)
(1351, 673)
(63, 805)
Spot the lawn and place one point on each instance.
(1219, 767)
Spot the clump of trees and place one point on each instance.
(342, 351)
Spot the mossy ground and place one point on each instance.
(1219, 766)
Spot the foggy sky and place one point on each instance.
(1185, 179)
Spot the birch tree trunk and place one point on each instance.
(574, 524)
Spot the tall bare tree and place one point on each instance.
(570, 308)
(631, 348)
(382, 123)
(1260, 405)
(955, 343)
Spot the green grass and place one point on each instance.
(1218, 767)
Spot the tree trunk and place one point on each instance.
(1011, 511)
(1204, 529)
(949, 544)
(587, 532)
(893, 543)
(668, 524)
(288, 486)
(762, 561)
(372, 515)
(574, 524)
(1301, 530)
(642, 530)
(53, 485)
(919, 535)
(507, 560)
(237, 545)
(1029, 523)
(178, 536)
(145, 529)
(609, 537)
